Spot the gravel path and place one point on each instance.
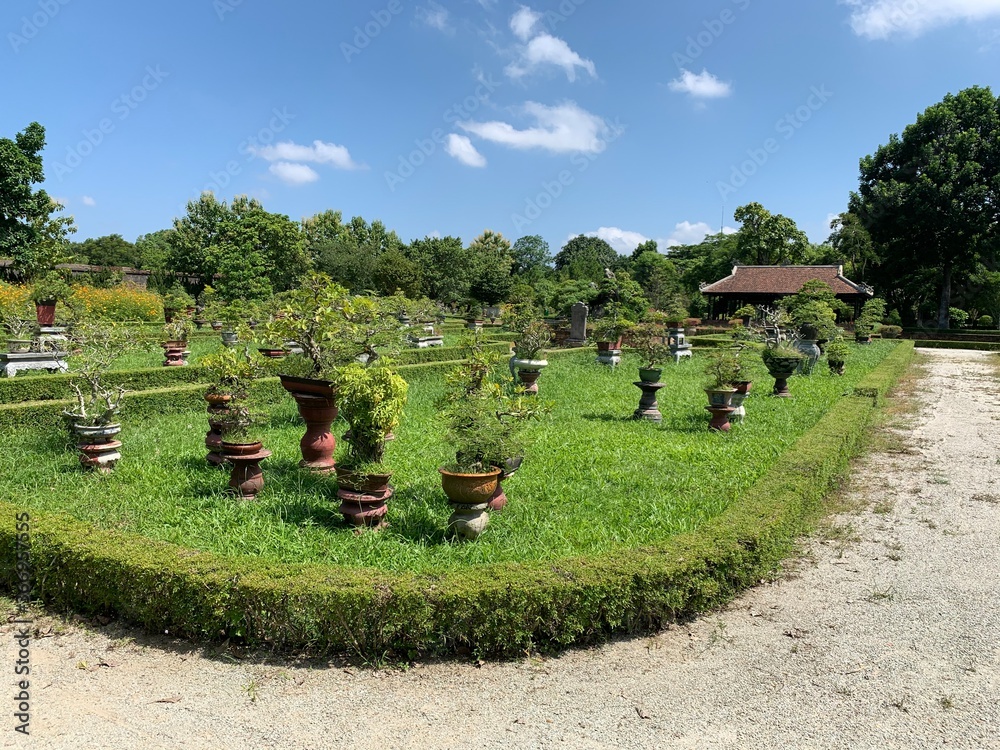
(884, 635)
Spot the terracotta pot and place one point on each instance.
(45, 312)
(318, 444)
(272, 353)
(499, 499)
(216, 399)
(469, 489)
(308, 386)
(98, 447)
(363, 498)
(217, 409)
(174, 353)
(606, 346)
(241, 449)
(720, 418)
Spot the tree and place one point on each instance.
(649, 246)
(586, 257)
(852, 244)
(930, 199)
(153, 249)
(255, 253)
(109, 250)
(767, 239)
(394, 272)
(28, 234)
(531, 255)
(491, 281)
(659, 278)
(446, 265)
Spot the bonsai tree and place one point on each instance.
(240, 425)
(613, 325)
(649, 339)
(233, 370)
(484, 412)
(176, 299)
(178, 329)
(371, 399)
(50, 289)
(836, 355)
(97, 404)
(724, 370)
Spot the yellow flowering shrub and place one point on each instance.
(120, 303)
(15, 302)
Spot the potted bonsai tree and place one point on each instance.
(18, 331)
(484, 416)
(233, 371)
(532, 335)
(46, 293)
(176, 300)
(94, 418)
(782, 360)
(724, 370)
(242, 447)
(836, 356)
(175, 336)
(650, 341)
(608, 333)
(371, 399)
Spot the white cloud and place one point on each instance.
(436, 16)
(687, 233)
(460, 147)
(294, 174)
(881, 19)
(545, 49)
(319, 153)
(622, 240)
(523, 22)
(564, 128)
(702, 85)
(88, 201)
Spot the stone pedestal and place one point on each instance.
(720, 418)
(609, 357)
(11, 363)
(98, 446)
(246, 478)
(648, 408)
(426, 342)
(318, 444)
(363, 498)
(51, 338)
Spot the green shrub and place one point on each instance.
(985, 321)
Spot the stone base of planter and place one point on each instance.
(364, 509)
(609, 357)
(469, 521)
(11, 363)
(246, 478)
(426, 342)
(720, 418)
(648, 408)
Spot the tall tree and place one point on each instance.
(446, 265)
(649, 246)
(586, 257)
(109, 250)
(767, 239)
(29, 233)
(531, 255)
(930, 198)
(491, 281)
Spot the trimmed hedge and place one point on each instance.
(53, 387)
(492, 610)
(985, 346)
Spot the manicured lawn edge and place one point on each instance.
(496, 610)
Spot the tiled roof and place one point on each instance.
(783, 280)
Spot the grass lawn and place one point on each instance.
(593, 480)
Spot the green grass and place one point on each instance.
(594, 480)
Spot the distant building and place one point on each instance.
(765, 285)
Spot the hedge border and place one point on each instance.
(497, 610)
(55, 387)
(982, 346)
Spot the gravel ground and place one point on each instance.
(883, 635)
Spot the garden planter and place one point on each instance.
(318, 409)
(246, 479)
(363, 498)
(98, 447)
(45, 313)
(272, 353)
(218, 408)
(742, 391)
(474, 324)
(609, 352)
(175, 353)
(720, 396)
(216, 325)
(650, 374)
(168, 314)
(781, 369)
(228, 338)
(469, 496)
(648, 408)
(528, 371)
(837, 368)
(810, 349)
(18, 346)
(499, 500)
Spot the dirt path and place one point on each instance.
(885, 637)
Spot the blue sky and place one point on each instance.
(630, 120)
